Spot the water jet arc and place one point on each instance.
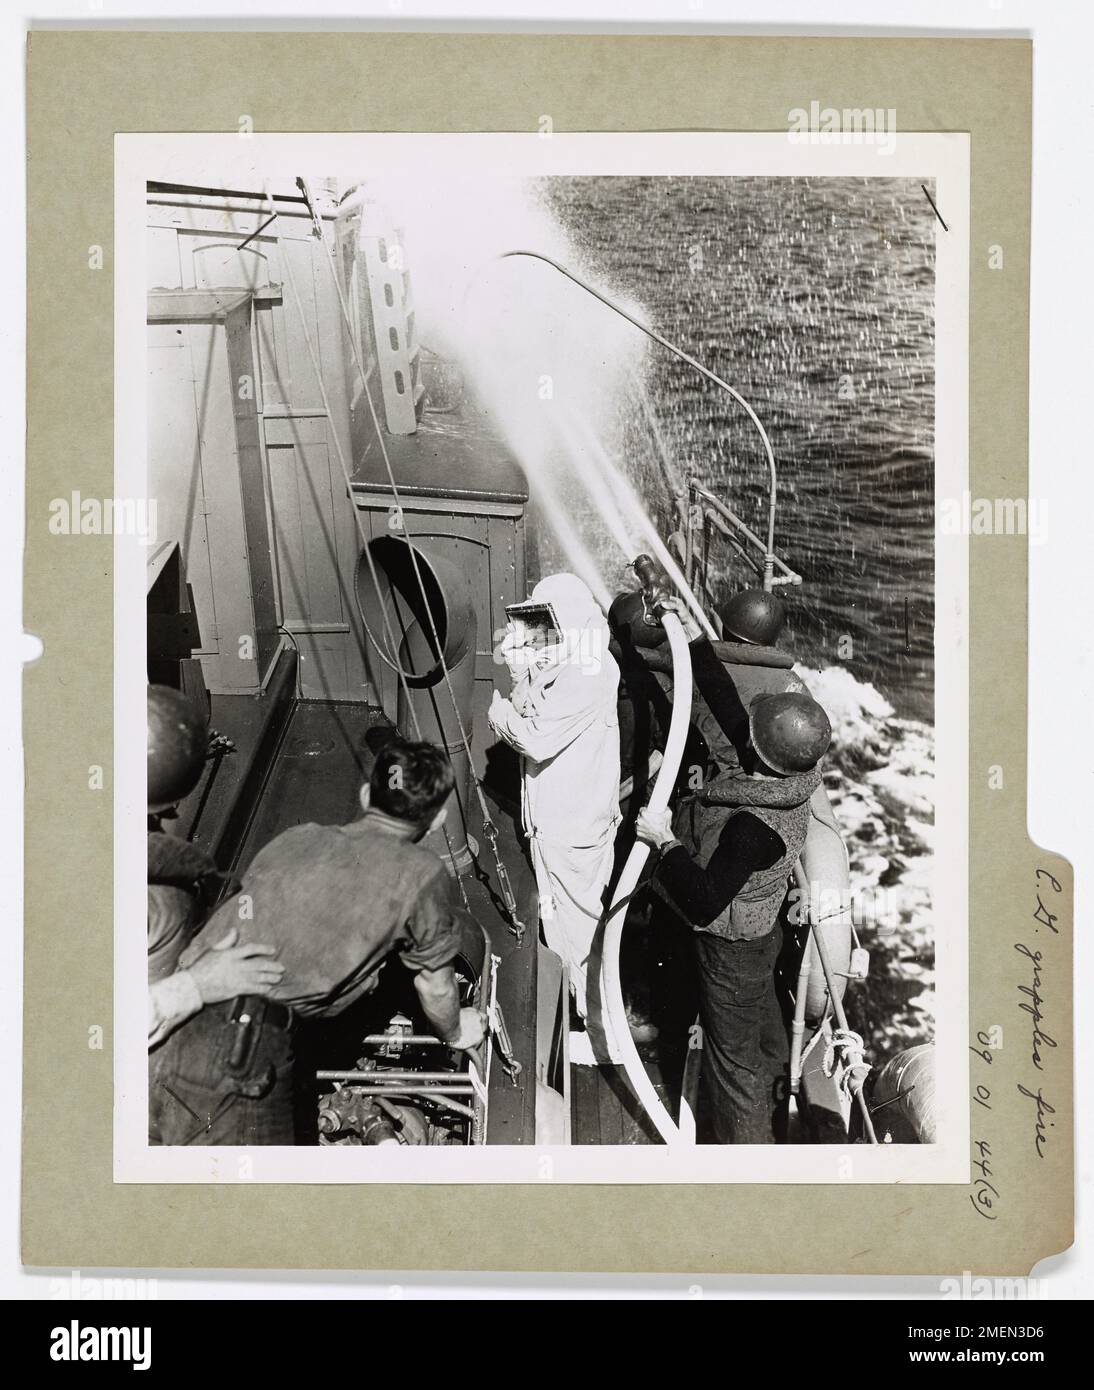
(684, 357)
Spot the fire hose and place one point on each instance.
(611, 989)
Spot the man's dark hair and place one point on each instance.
(411, 781)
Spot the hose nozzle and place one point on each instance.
(655, 588)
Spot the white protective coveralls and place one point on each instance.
(561, 716)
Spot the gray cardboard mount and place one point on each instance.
(83, 87)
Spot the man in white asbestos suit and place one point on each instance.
(561, 716)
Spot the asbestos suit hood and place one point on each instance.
(584, 627)
(571, 598)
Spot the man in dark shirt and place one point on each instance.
(335, 902)
(729, 882)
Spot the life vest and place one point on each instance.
(754, 910)
(754, 671)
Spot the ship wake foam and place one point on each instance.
(880, 778)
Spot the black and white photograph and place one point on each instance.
(552, 656)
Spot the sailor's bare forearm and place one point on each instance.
(440, 1000)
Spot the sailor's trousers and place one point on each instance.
(744, 1040)
(571, 883)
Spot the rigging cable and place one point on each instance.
(357, 519)
(488, 826)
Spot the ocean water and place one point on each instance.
(815, 299)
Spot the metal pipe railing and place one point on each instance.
(452, 1078)
(797, 1031)
(771, 560)
(442, 1099)
(727, 532)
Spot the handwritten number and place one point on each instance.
(983, 1197)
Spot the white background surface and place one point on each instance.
(1061, 571)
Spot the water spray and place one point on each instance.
(769, 559)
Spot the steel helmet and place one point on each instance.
(627, 621)
(178, 736)
(753, 616)
(790, 731)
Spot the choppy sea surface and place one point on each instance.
(815, 299)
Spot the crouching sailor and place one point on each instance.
(561, 716)
(729, 883)
(183, 881)
(335, 901)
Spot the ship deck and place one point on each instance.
(603, 1110)
(299, 761)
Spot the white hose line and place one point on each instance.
(611, 987)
